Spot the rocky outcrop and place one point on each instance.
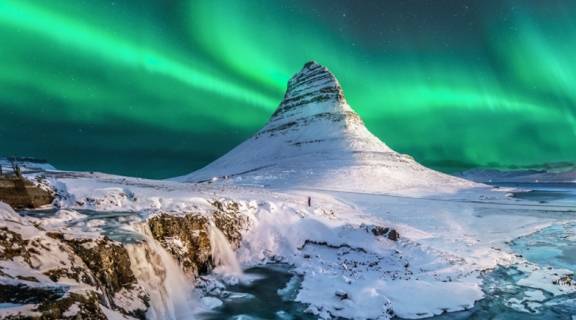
(565, 280)
(186, 236)
(64, 276)
(389, 233)
(20, 193)
(313, 95)
(74, 306)
(109, 265)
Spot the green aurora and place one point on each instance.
(160, 88)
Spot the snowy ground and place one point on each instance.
(446, 243)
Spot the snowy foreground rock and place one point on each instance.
(368, 233)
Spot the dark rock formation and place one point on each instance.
(20, 193)
(88, 308)
(187, 239)
(565, 280)
(22, 293)
(109, 265)
(389, 233)
(191, 232)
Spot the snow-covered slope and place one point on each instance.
(316, 140)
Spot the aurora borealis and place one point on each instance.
(160, 88)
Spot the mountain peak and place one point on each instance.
(315, 139)
(313, 98)
(313, 84)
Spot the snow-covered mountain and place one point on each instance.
(565, 173)
(316, 140)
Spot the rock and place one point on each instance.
(342, 295)
(40, 269)
(393, 235)
(23, 294)
(565, 280)
(88, 307)
(109, 263)
(13, 245)
(389, 233)
(186, 237)
(20, 193)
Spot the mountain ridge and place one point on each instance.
(315, 139)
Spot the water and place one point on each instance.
(505, 300)
(223, 256)
(270, 296)
(554, 246)
(170, 289)
(561, 193)
(110, 223)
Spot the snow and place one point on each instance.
(211, 302)
(26, 165)
(445, 244)
(452, 231)
(72, 310)
(9, 309)
(315, 140)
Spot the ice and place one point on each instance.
(211, 302)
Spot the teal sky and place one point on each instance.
(160, 88)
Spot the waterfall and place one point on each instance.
(156, 270)
(223, 255)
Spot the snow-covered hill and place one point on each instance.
(316, 140)
(561, 174)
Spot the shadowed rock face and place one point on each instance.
(109, 266)
(187, 239)
(21, 293)
(20, 193)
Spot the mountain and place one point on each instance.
(316, 140)
(561, 173)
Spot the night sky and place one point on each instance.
(160, 88)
